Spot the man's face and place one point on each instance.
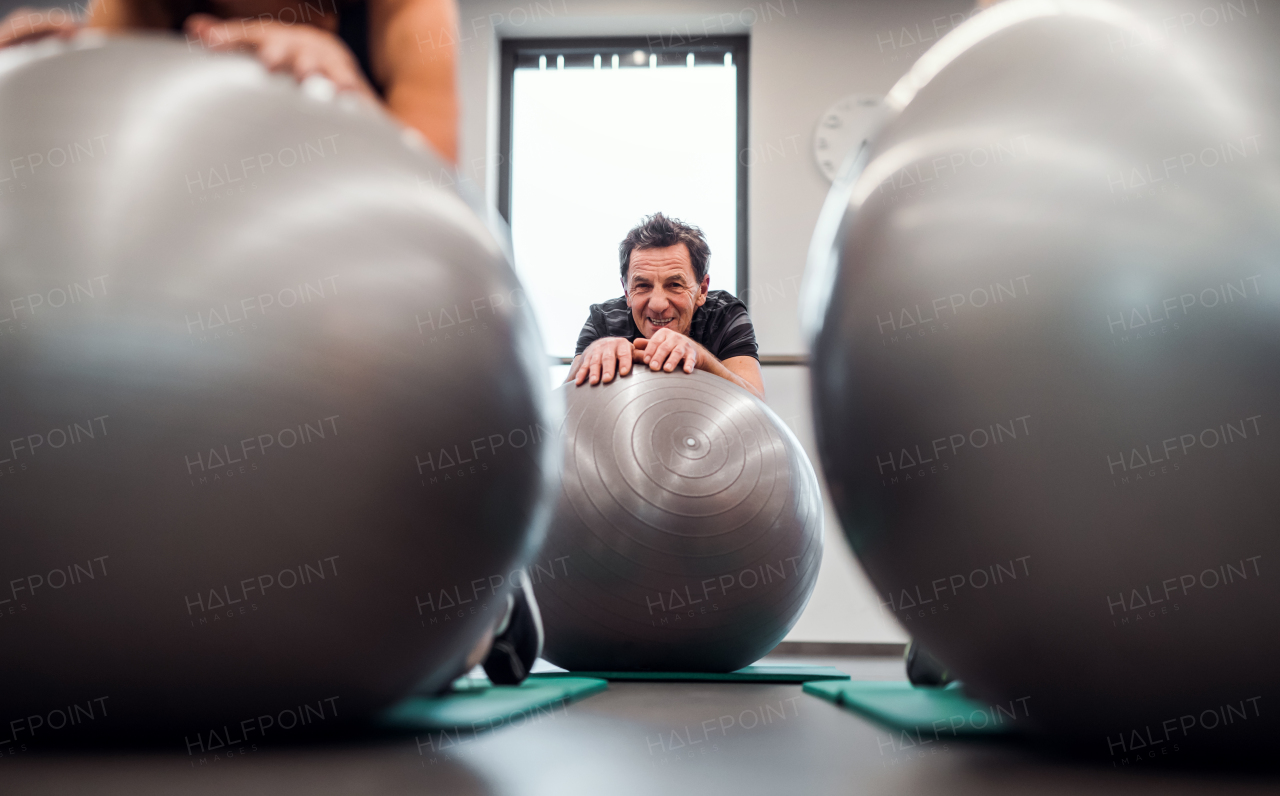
(662, 291)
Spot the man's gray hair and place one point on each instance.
(657, 232)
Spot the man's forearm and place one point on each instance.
(708, 362)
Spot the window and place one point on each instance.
(597, 133)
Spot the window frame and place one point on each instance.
(740, 46)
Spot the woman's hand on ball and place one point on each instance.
(301, 50)
(666, 349)
(30, 24)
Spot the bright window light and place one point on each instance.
(596, 148)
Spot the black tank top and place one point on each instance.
(353, 29)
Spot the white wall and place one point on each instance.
(805, 54)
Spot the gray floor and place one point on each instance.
(670, 739)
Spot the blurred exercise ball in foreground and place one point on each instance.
(1045, 379)
(265, 393)
(688, 534)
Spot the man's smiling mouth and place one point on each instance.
(660, 322)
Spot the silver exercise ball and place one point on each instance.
(1045, 374)
(264, 389)
(688, 533)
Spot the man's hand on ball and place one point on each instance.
(603, 359)
(666, 349)
(300, 50)
(31, 24)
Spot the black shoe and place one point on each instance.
(924, 670)
(517, 642)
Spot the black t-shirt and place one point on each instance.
(721, 325)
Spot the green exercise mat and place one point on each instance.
(899, 705)
(476, 704)
(760, 673)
